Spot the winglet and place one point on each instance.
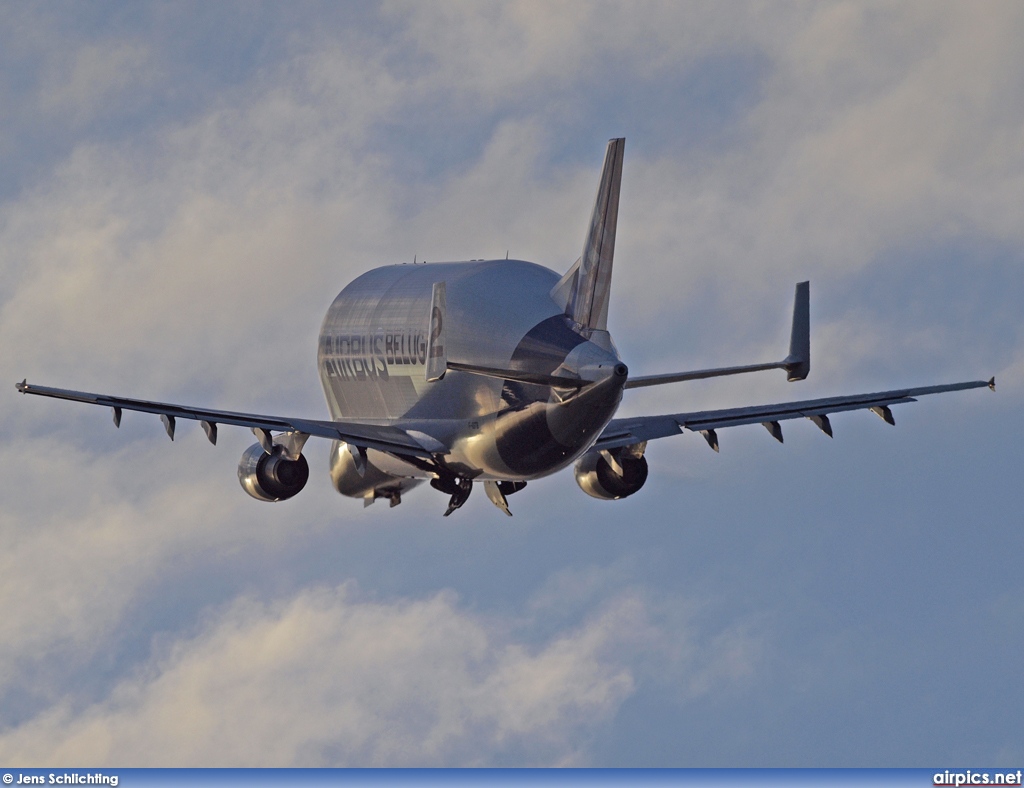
(798, 362)
(437, 355)
(588, 303)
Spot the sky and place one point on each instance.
(186, 186)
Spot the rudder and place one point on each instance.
(588, 302)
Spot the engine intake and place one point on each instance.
(271, 477)
(597, 478)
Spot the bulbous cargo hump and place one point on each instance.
(373, 341)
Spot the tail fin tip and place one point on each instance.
(588, 303)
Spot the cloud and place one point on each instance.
(184, 215)
(242, 215)
(329, 678)
(195, 231)
(877, 129)
(77, 550)
(90, 78)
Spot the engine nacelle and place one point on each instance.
(271, 477)
(368, 481)
(597, 478)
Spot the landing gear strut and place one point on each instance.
(496, 492)
(458, 487)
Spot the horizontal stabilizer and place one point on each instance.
(521, 376)
(437, 356)
(642, 381)
(797, 364)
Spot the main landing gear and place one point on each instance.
(459, 488)
(496, 492)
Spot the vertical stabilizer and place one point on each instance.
(588, 303)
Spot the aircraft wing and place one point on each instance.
(368, 436)
(626, 432)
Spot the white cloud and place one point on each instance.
(223, 228)
(76, 549)
(328, 678)
(878, 127)
(195, 259)
(83, 83)
(231, 224)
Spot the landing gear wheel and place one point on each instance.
(462, 489)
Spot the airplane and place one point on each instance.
(490, 371)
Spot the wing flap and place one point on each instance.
(624, 432)
(371, 436)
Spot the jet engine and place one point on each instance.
(354, 475)
(271, 477)
(623, 476)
